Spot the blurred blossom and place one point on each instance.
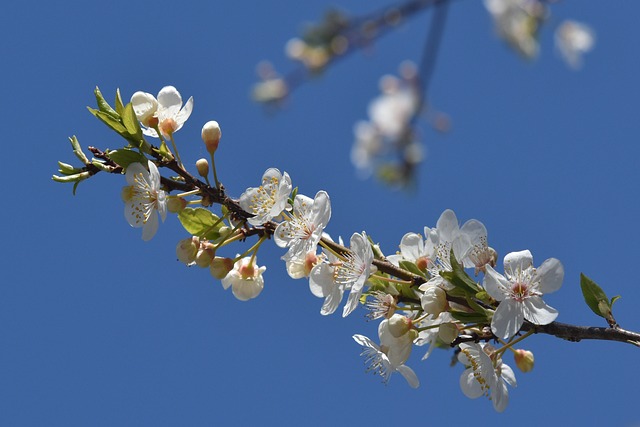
(518, 22)
(574, 39)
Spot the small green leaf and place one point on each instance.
(109, 121)
(104, 106)
(124, 157)
(200, 222)
(459, 278)
(119, 104)
(130, 121)
(67, 169)
(614, 299)
(77, 150)
(595, 297)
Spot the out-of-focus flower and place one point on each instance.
(143, 198)
(268, 200)
(518, 22)
(574, 39)
(166, 112)
(520, 292)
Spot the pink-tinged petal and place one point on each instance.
(551, 275)
(169, 97)
(469, 385)
(517, 261)
(538, 312)
(495, 284)
(409, 375)
(508, 319)
(365, 341)
(447, 226)
(150, 227)
(507, 374)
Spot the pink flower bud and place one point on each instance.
(524, 360)
(211, 134)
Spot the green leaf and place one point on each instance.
(614, 299)
(595, 297)
(201, 222)
(119, 104)
(67, 169)
(459, 278)
(412, 268)
(124, 157)
(130, 121)
(109, 121)
(104, 106)
(77, 150)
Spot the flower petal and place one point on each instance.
(517, 261)
(412, 246)
(365, 341)
(409, 375)
(332, 301)
(150, 227)
(550, 274)
(538, 312)
(447, 226)
(495, 284)
(321, 280)
(144, 105)
(508, 319)
(169, 97)
(469, 385)
(184, 113)
(507, 374)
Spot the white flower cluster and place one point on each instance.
(445, 306)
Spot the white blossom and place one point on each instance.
(572, 40)
(245, 279)
(143, 198)
(269, 200)
(520, 292)
(166, 111)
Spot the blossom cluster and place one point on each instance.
(426, 294)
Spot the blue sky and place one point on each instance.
(100, 328)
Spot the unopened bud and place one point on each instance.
(211, 134)
(448, 332)
(399, 325)
(434, 300)
(187, 249)
(202, 166)
(524, 360)
(176, 204)
(220, 267)
(205, 256)
(422, 263)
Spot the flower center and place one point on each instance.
(520, 291)
(168, 126)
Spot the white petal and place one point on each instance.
(245, 290)
(508, 319)
(184, 113)
(144, 105)
(321, 211)
(134, 169)
(332, 301)
(517, 261)
(412, 246)
(321, 280)
(150, 227)
(365, 341)
(495, 284)
(352, 303)
(469, 385)
(409, 375)
(538, 312)
(508, 375)
(447, 226)
(500, 396)
(169, 97)
(550, 274)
